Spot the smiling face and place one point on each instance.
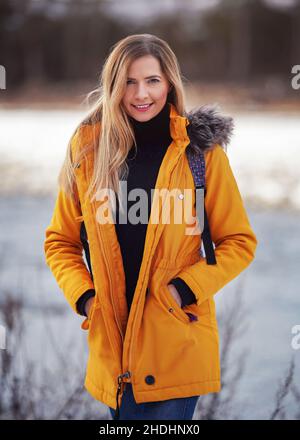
(146, 86)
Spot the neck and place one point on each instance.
(157, 128)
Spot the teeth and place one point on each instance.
(142, 106)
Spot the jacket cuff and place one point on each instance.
(186, 294)
(80, 304)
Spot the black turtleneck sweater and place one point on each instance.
(152, 138)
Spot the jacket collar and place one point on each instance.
(178, 126)
(202, 127)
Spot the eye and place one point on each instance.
(152, 80)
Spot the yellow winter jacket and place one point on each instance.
(156, 348)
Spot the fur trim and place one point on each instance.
(207, 127)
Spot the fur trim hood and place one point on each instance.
(208, 127)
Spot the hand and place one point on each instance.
(88, 305)
(175, 294)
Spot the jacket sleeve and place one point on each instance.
(80, 304)
(64, 251)
(231, 232)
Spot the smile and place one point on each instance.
(142, 107)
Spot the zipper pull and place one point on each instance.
(192, 317)
(120, 381)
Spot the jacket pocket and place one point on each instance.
(172, 305)
(188, 314)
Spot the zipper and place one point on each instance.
(134, 319)
(98, 232)
(127, 374)
(120, 382)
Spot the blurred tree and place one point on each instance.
(64, 40)
(295, 44)
(239, 66)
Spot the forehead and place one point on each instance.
(144, 66)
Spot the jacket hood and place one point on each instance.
(207, 127)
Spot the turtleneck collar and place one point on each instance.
(154, 130)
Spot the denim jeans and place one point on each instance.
(173, 409)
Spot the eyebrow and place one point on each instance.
(148, 77)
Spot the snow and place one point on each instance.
(264, 153)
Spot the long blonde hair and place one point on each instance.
(117, 136)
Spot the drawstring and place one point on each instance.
(117, 414)
(120, 381)
(192, 317)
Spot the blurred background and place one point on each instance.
(243, 55)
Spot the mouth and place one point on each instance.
(143, 107)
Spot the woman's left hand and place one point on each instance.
(174, 293)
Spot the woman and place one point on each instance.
(149, 295)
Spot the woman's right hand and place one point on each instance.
(88, 305)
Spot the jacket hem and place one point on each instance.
(195, 389)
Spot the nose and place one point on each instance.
(141, 92)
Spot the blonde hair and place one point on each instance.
(117, 136)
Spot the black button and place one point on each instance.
(149, 380)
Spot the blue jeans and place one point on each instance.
(172, 409)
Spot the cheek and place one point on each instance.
(126, 99)
(162, 93)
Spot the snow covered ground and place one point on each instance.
(264, 153)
